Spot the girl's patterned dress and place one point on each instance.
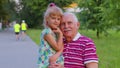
(45, 50)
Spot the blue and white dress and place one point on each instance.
(45, 50)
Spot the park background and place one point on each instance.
(99, 19)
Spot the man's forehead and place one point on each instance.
(67, 18)
(67, 15)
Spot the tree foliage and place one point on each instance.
(111, 14)
(99, 15)
(7, 10)
(33, 10)
(3, 13)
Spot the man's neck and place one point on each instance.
(69, 39)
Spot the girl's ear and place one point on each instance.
(47, 21)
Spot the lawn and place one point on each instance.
(34, 35)
(108, 48)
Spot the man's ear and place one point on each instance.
(78, 25)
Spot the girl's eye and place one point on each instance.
(53, 17)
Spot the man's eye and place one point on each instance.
(58, 19)
(69, 22)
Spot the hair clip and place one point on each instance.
(52, 4)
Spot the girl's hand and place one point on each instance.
(57, 30)
(55, 65)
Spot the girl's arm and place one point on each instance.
(57, 45)
(54, 57)
(92, 65)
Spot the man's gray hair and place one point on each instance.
(72, 14)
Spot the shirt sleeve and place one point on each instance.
(90, 52)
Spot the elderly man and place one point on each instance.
(79, 51)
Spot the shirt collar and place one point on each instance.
(77, 36)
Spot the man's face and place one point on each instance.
(68, 26)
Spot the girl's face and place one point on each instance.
(53, 21)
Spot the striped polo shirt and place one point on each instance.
(79, 52)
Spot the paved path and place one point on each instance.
(17, 54)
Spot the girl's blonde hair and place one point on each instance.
(51, 11)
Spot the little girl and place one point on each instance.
(51, 39)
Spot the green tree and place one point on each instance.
(3, 13)
(33, 10)
(110, 13)
(99, 15)
(10, 9)
(7, 10)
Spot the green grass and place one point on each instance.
(108, 48)
(34, 35)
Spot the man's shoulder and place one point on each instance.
(85, 39)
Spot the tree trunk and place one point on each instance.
(98, 33)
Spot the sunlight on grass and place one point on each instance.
(34, 35)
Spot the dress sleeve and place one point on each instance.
(46, 31)
(90, 52)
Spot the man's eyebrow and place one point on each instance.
(69, 21)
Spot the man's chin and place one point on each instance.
(67, 32)
(67, 35)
